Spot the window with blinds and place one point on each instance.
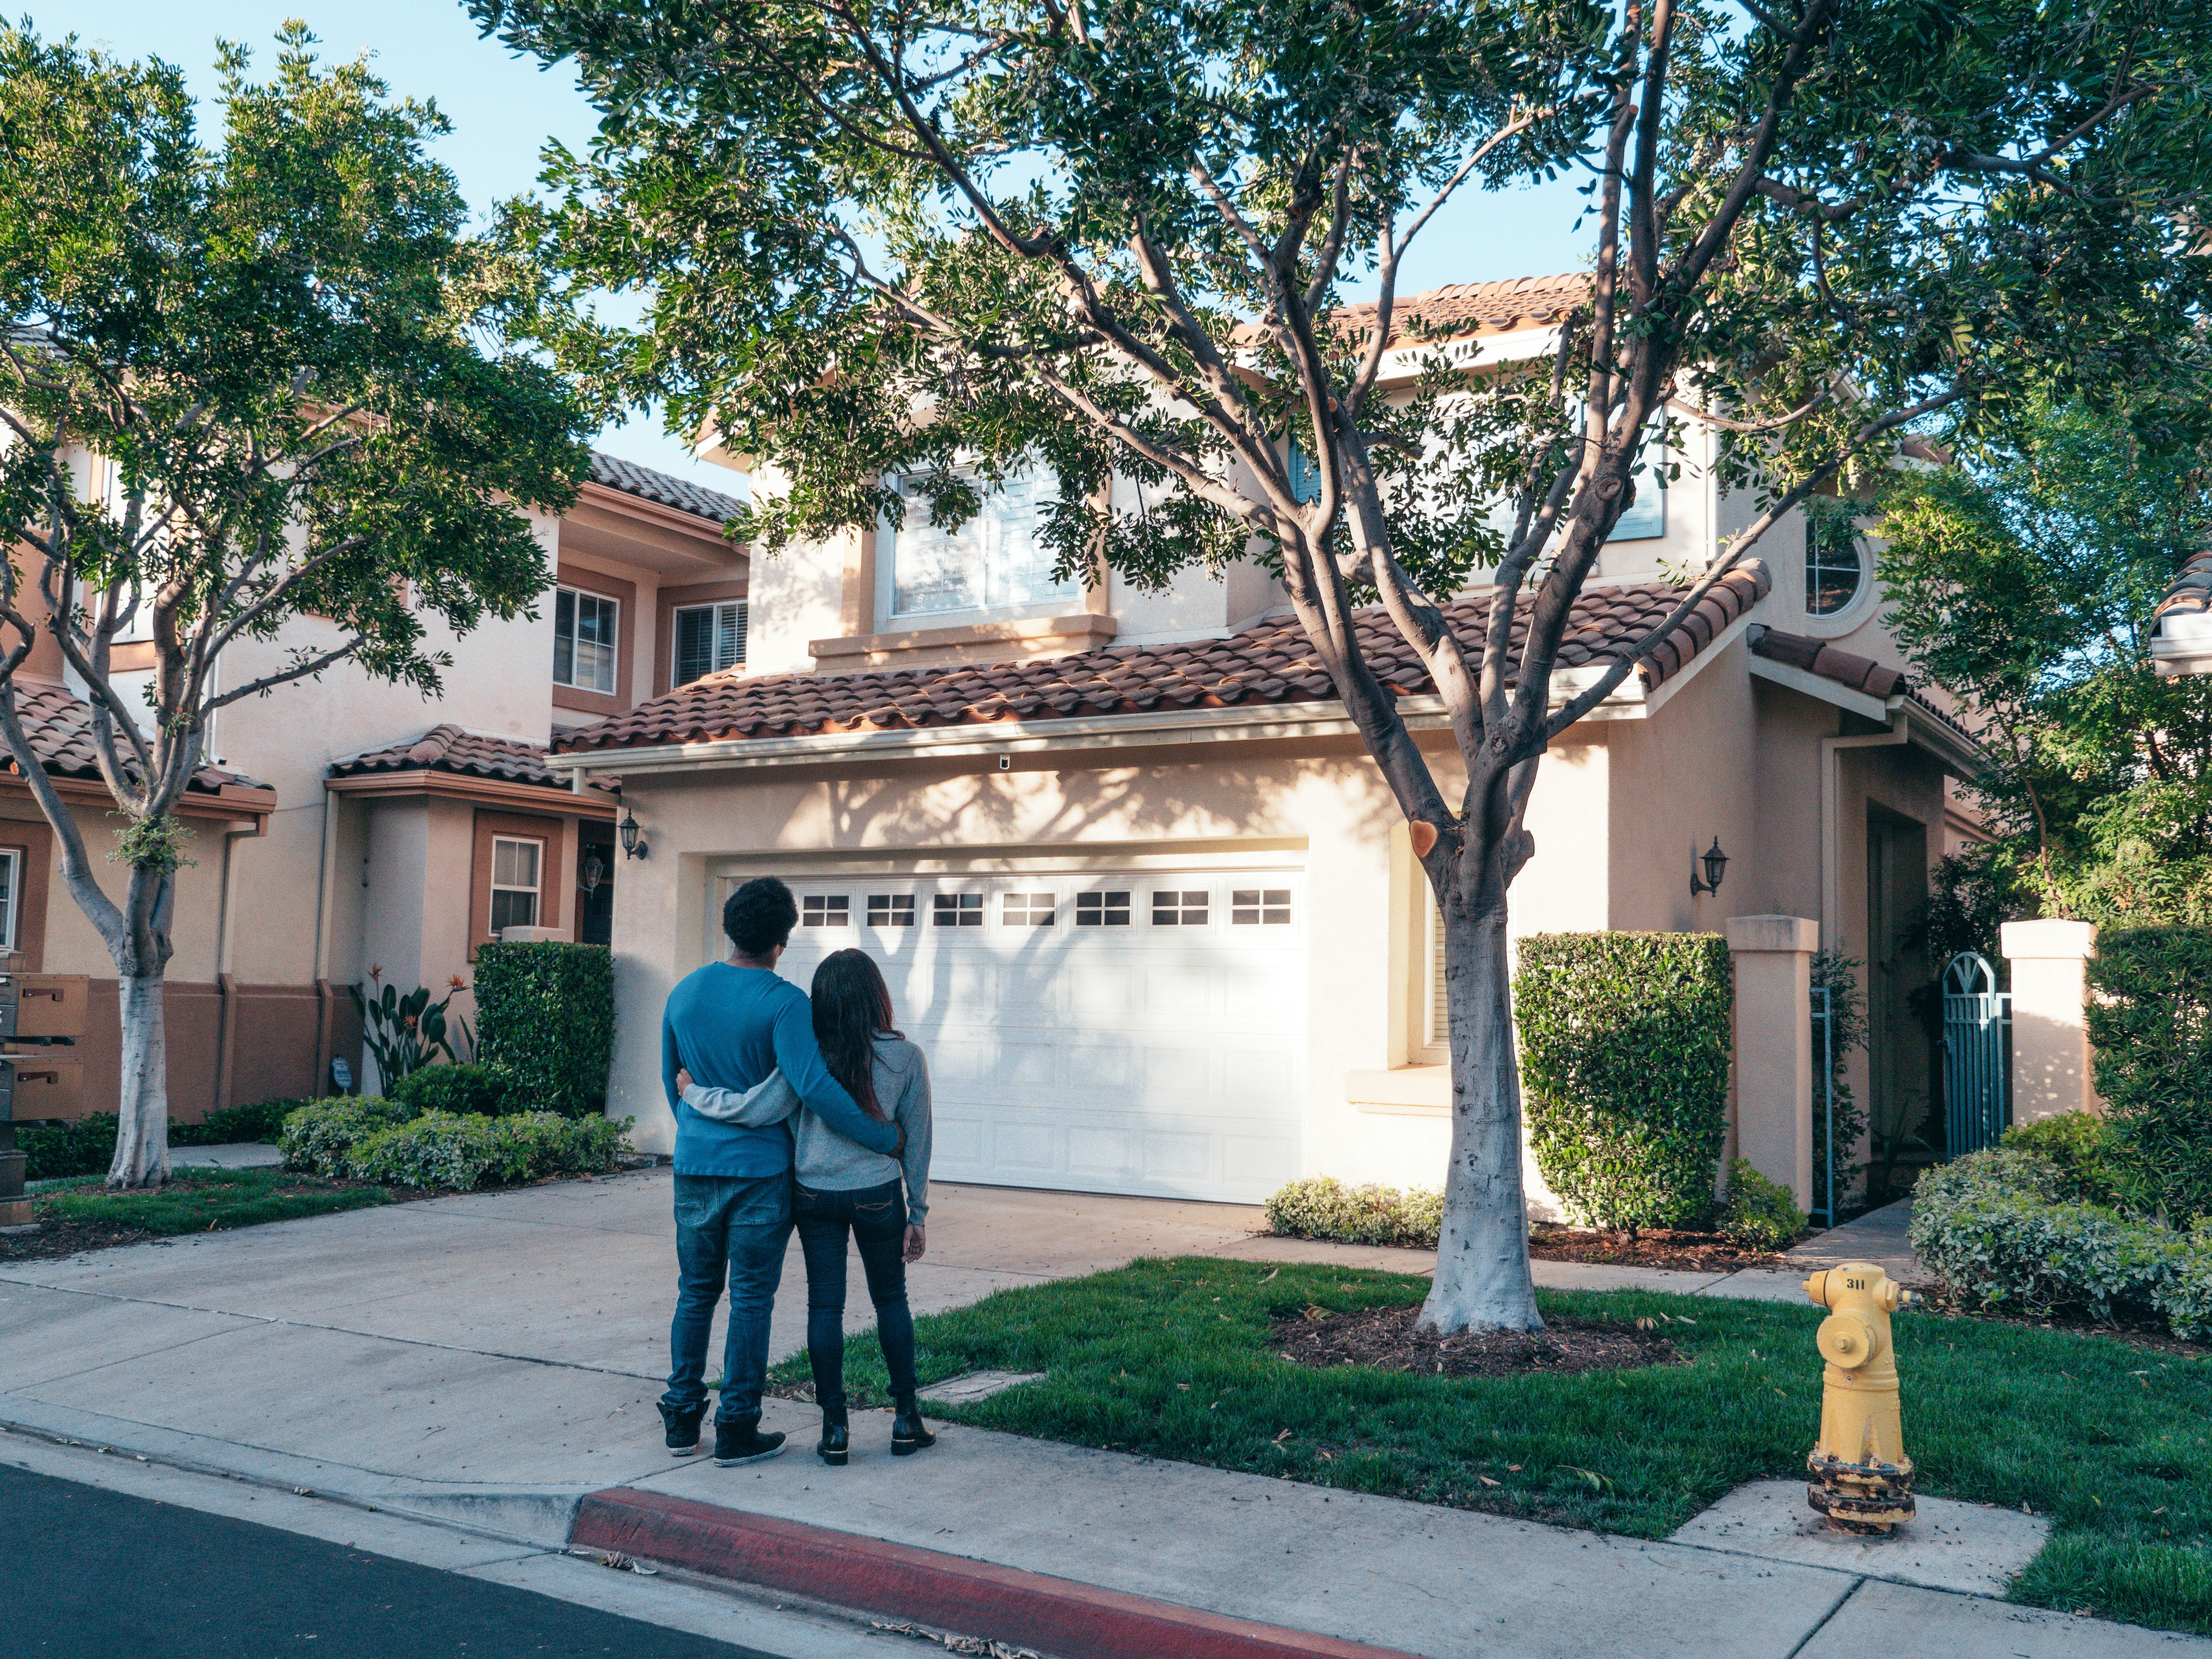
(708, 639)
(1439, 1014)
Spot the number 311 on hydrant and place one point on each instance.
(1862, 1478)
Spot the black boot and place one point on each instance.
(739, 1440)
(683, 1428)
(907, 1436)
(836, 1442)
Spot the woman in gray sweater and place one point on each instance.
(842, 1188)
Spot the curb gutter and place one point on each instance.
(1057, 1616)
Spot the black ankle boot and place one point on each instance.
(836, 1442)
(739, 1440)
(907, 1436)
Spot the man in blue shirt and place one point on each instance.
(729, 1024)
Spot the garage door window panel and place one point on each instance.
(825, 910)
(1185, 907)
(890, 909)
(1026, 909)
(1260, 907)
(1105, 909)
(957, 910)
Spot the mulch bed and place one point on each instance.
(1651, 1248)
(1384, 1338)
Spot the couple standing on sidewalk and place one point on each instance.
(789, 1111)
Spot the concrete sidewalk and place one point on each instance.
(491, 1360)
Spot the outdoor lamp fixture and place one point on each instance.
(1715, 863)
(632, 841)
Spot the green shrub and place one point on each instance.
(545, 1016)
(1624, 1048)
(1847, 1031)
(1325, 1207)
(461, 1153)
(321, 1135)
(1999, 1229)
(57, 1150)
(1759, 1214)
(2080, 1145)
(263, 1121)
(480, 1090)
(2152, 1029)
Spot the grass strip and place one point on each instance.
(1173, 1360)
(207, 1200)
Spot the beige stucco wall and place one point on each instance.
(73, 945)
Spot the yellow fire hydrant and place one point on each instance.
(1862, 1479)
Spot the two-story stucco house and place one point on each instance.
(1138, 891)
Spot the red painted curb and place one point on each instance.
(1057, 1616)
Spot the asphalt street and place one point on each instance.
(89, 1574)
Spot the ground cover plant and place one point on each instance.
(1179, 1360)
(205, 1200)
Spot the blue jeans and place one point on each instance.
(876, 1216)
(740, 1224)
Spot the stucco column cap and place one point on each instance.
(1746, 934)
(2048, 941)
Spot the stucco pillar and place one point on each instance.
(1774, 1047)
(2050, 1068)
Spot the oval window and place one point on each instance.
(1834, 567)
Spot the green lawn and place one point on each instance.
(205, 1200)
(1173, 1360)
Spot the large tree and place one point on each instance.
(240, 384)
(905, 249)
(2024, 580)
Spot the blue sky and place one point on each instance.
(503, 108)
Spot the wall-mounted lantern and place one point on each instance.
(1715, 863)
(633, 839)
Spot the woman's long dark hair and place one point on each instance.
(852, 1008)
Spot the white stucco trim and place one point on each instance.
(1953, 748)
(1819, 686)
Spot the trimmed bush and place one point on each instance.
(54, 1151)
(485, 1091)
(1759, 1214)
(1997, 1227)
(1625, 1045)
(461, 1152)
(2079, 1145)
(263, 1121)
(1326, 1208)
(320, 1137)
(545, 1016)
(2152, 1029)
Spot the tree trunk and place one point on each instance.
(1482, 1279)
(141, 1130)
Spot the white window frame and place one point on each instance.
(1845, 616)
(1180, 907)
(999, 585)
(1026, 907)
(1270, 906)
(11, 900)
(892, 910)
(740, 614)
(954, 910)
(825, 910)
(576, 595)
(537, 890)
(1107, 907)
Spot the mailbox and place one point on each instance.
(40, 1083)
(43, 1004)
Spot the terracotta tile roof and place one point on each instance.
(1267, 663)
(58, 723)
(1847, 668)
(648, 485)
(2191, 593)
(1463, 308)
(448, 748)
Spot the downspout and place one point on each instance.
(225, 985)
(1830, 811)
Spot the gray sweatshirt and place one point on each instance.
(821, 1158)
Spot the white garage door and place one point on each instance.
(1114, 1031)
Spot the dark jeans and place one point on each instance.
(737, 1223)
(876, 1216)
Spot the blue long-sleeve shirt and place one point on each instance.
(730, 1027)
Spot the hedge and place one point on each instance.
(545, 1016)
(2150, 1022)
(1624, 1048)
(321, 1137)
(87, 1145)
(1998, 1229)
(462, 1153)
(488, 1091)
(1325, 1207)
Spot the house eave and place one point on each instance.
(1957, 754)
(460, 785)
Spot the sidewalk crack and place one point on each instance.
(1857, 1584)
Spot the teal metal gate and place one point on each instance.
(1977, 1055)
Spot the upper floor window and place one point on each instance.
(1834, 567)
(708, 639)
(995, 560)
(584, 641)
(11, 882)
(514, 882)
